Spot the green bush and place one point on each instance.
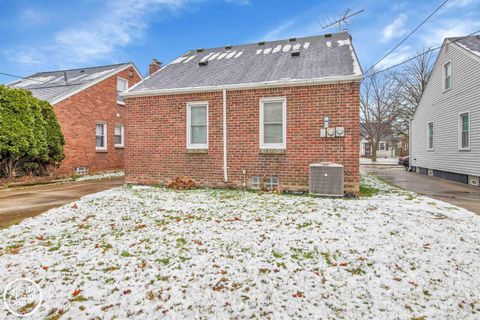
(30, 136)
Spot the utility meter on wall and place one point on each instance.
(331, 132)
(340, 132)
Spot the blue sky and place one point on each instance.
(47, 35)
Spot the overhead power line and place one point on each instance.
(421, 54)
(408, 36)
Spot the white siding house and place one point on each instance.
(445, 130)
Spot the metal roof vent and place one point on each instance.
(328, 35)
(326, 179)
(203, 62)
(295, 53)
(292, 39)
(200, 50)
(228, 47)
(261, 43)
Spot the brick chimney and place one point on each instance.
(154, 66)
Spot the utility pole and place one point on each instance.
(343, 19)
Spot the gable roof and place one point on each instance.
(55, 86)
(319, 59)
(470, 43)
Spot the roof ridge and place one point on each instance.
(274, 41)
(93, 67)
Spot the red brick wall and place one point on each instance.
(156, 135)
(78, 116)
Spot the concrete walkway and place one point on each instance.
(458, 194)
(17, 204)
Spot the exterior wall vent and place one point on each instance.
(326, 179)
(430, 172)
(474, 181)
(80, 170)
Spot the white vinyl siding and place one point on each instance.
(122, 85)
(444, 109)
(119, 136)
(464, 131)
(273, 123)
(197, 125)
(101, 136)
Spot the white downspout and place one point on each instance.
(225, 167)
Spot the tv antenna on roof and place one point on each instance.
(342, 20)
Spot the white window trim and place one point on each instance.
(122, 145)
(444, 76)
(189, 107)
(105, 133)
(460, 129)
(282, 145)
(428, 136)
(384, 146)
(126, 80)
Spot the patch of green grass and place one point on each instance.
(181, 242)
(368, 191)
(277, 254)
(327, 258)
(125, 254)
(163, 261)
(356, 271)
(79, 298)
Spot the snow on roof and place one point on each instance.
(51, 85)
(470, 43)
(320, 57)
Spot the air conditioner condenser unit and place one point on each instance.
(326, 179)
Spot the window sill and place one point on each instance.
(463, 149)
(197, 151)
(272, 151)
(119, 147)
(121, 103)
(101, 150)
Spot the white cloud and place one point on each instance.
(460, 3)
(116, 25)
(402, 54)
(394, 29)
(31, 16)
(449, 28)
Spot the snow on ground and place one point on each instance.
(106, 175)
(379, 161)
(153, 253)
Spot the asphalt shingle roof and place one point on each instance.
(320, 57)
(471, 43)
(52, 85)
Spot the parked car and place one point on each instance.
(404, 161)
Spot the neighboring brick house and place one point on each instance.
(90, 112)
(247, 115)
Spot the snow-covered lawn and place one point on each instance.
(379, 161)
(100, 176)
(151, 253)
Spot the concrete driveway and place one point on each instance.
(17, 204)
(458, 194)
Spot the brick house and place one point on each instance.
(247, 115)
(90, 112)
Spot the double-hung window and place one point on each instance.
(101, 136)
(197, 125)
(119, 136)
(273, 123)
(122, 85)
(430, 134)
(465, 130)
(447, 76)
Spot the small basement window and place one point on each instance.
(81, 170)
(271, 183)
(256, 182)
(122, 85)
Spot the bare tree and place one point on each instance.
(412, 81)
(379, 107)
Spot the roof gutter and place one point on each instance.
(245, 86)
